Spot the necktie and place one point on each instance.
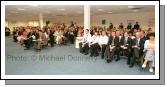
(138, 42)
(113, 41)
(125, 41)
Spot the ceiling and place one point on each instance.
(120, 9)
(29, 12)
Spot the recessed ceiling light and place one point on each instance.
(100, 9)
(131, 7)
(34, 5)
(136, 10)
(109, 12)
(21, 9)
(62, 9)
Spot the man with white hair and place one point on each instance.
(137, 48)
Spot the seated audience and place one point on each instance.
(136, 44)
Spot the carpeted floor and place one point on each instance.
(61, 60)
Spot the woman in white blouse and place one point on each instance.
(149, 49)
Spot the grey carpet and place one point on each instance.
(61, 60)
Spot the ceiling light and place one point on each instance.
(135, 10)
(130, 6)
(100, 9)
(21, 9)
(34, 5)
(62, 9)
(109, 12)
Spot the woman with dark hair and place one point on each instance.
(149, 49)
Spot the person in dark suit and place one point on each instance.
(112, 47)
(30, 37)
(143, 35)
(129, 27)
(71, 35)
(143, 38)
(137, 49)
(111, 26)
(51, 37)
(126, 46)
(7, 31)
(121, 26)
(136, 26)
(15, 35)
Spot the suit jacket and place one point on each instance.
(116, 41)
(30, 34)
(51, 35)
(128, 43)
(141, 43)
(136, 26)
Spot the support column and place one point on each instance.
(41, 20)
(86, 17)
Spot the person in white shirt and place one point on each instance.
(103, 41)
(149, 49)
(84, 44)
(94, 46)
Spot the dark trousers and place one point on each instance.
(110, 54)
(128, 53)
(7, 33)
(72, 39)
(52, 41)
(29, 43)
(80, 47)
(14, 38)
(94, 49)
(85, 48)
(137, 55)
(103, 48)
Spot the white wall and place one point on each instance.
(67, 20)
(143, 18)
